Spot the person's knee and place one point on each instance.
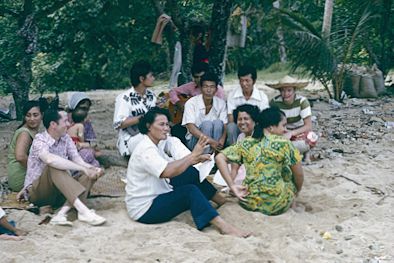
(218, 125)
(53, 170)
(206, 127)
(232, 128)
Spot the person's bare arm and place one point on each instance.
(78, 164)
(240, 191)
(177, 167)
(222, 138)
(23, 143)
(306, 128)
(298, 174)
(129, 121)
(4, 223)
(230, 118)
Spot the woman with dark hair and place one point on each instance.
(160, 188)
(20, 145)
(246, 117)
(274, 174)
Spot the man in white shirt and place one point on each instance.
(245, 94)
(206, 114)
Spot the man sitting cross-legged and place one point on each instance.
(48, 180)
(206, 114)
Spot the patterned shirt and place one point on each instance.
(191, 89)
(269, 178)
(130, 104)
(45, 143)
(295, 112)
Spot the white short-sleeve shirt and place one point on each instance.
(146, 164)
(236, 98)
(195, 112)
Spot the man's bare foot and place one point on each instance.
(21, 232)
(9, 237)
(219, 199)
(228, 229)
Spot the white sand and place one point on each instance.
(359, 221)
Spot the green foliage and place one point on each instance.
(324, 58)
(91, 44)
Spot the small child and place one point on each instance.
(8, 231)
(76, 132)
(77, 129)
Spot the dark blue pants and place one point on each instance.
(3, 230)
(188, 194)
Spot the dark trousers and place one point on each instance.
(188, 194)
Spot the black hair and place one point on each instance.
(49, 116)
(79, 115)
(139, 69)
(79, 103)
(209, 76)
(246, 70)
(199, 67)
(150, 117)
(28, 106)
(252, 110)
(269, 117)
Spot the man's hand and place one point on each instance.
(93, 172)
(222, 141)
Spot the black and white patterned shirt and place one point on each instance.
(130, 104)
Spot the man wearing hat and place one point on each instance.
(298, 113)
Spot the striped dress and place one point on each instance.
(295, 112)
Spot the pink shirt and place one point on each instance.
(44, 143)
(191, 89)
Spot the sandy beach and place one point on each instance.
(347, 195)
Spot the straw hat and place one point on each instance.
(288, 81)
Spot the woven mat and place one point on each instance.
(109, 185)
(8, 201)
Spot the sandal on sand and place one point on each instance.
(92, 219)
(60, 220)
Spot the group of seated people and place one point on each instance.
(59, 167)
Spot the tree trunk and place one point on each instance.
(187, 58)
(328, 9)
(219, 24)
(281, 38)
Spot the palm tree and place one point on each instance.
(324, 57)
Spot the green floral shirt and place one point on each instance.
(269, 178)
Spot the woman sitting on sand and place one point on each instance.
(151, 199)
(246, 117)
(274, 174)
(20, 145)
